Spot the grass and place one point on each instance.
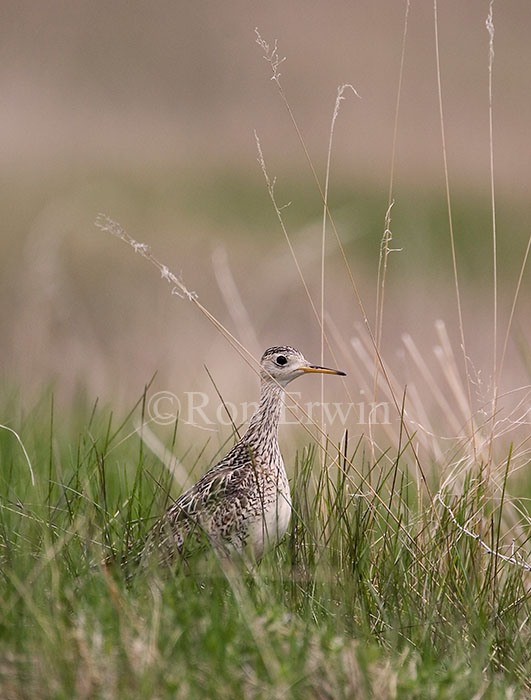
(371, 594)
(404, 573)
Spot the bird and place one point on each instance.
(242, 505)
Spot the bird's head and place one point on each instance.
(284, 364)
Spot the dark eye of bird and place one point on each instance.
(281, 360)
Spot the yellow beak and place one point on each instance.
(323, 370)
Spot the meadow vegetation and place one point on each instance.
(406, 570)
(382, 588)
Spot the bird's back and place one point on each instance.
(242, 504)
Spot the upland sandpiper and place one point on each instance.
(242, 504)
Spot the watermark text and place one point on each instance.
(199, 409)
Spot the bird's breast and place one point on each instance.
(269, 525)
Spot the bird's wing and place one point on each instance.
(212, 503)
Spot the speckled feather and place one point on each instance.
(242, 504)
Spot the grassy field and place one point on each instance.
(376, 591)
(405, 572)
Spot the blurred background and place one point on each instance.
(146, 112)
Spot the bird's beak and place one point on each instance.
(322, 370)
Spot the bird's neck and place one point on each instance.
(263, 426)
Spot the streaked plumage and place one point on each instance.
(242, 504)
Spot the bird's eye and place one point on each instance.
(281, 360)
